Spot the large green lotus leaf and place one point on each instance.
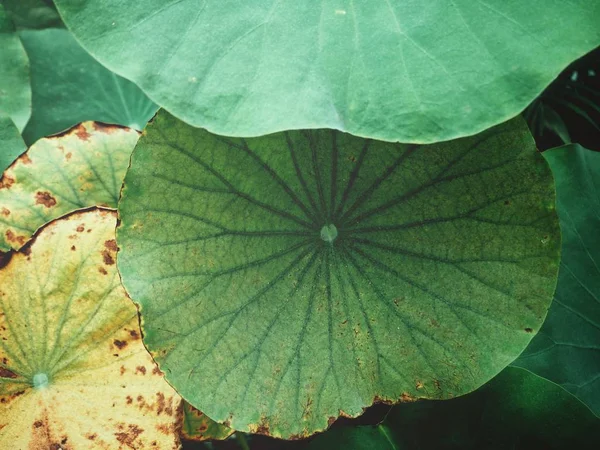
(15, 91)
(395, 70)
(516, 410)
(74, 373)
(288, 279)
(197, 426)
(76, 89)
(33, 13)
(11, 142)
(567, 349)
(80, 168)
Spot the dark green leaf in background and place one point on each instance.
(70, 87)
(516, 410)
(15, 92)
(555, 123)
(395, 70)
(33, 13)
(567, 349)
(288, 279)
(11, 142)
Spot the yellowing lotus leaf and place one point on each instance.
(74, 373)
(197, 426)
(80, 168)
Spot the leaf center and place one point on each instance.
(329, 233)
(40, 380)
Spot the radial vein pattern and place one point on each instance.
(288, 279)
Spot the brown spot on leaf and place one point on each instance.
(134, 334)
(262, 428)
(160, 402)
(5, 212)
(104, 128)
(102, 270)
(140, 369)
(407, 398)
(37, 424)
(11, 237)
(385, 401)
(111, 244)
(165, 429)
(330, 421)
(528, 330)
(82, 133)
(107, 257)
(68, 156)
(80, 228)
(128, 437)
(345, 414)
(44, 198)
(306, 412)
(24, 159)
(122, 370)
(92, 436)
(73, 248)
(6, 182)
(156, 371)
(119, 344)
(5, 373)
(129, 400)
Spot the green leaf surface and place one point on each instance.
(69, 87)
(567, 349)
(394, 70)
(11, 142)
(516, 410)
(74, 373)
(81, 168)
(197, 426)
(288, 279)
(15, 91)
(33, 13)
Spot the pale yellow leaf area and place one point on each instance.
(74, 373)
(79, 168)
